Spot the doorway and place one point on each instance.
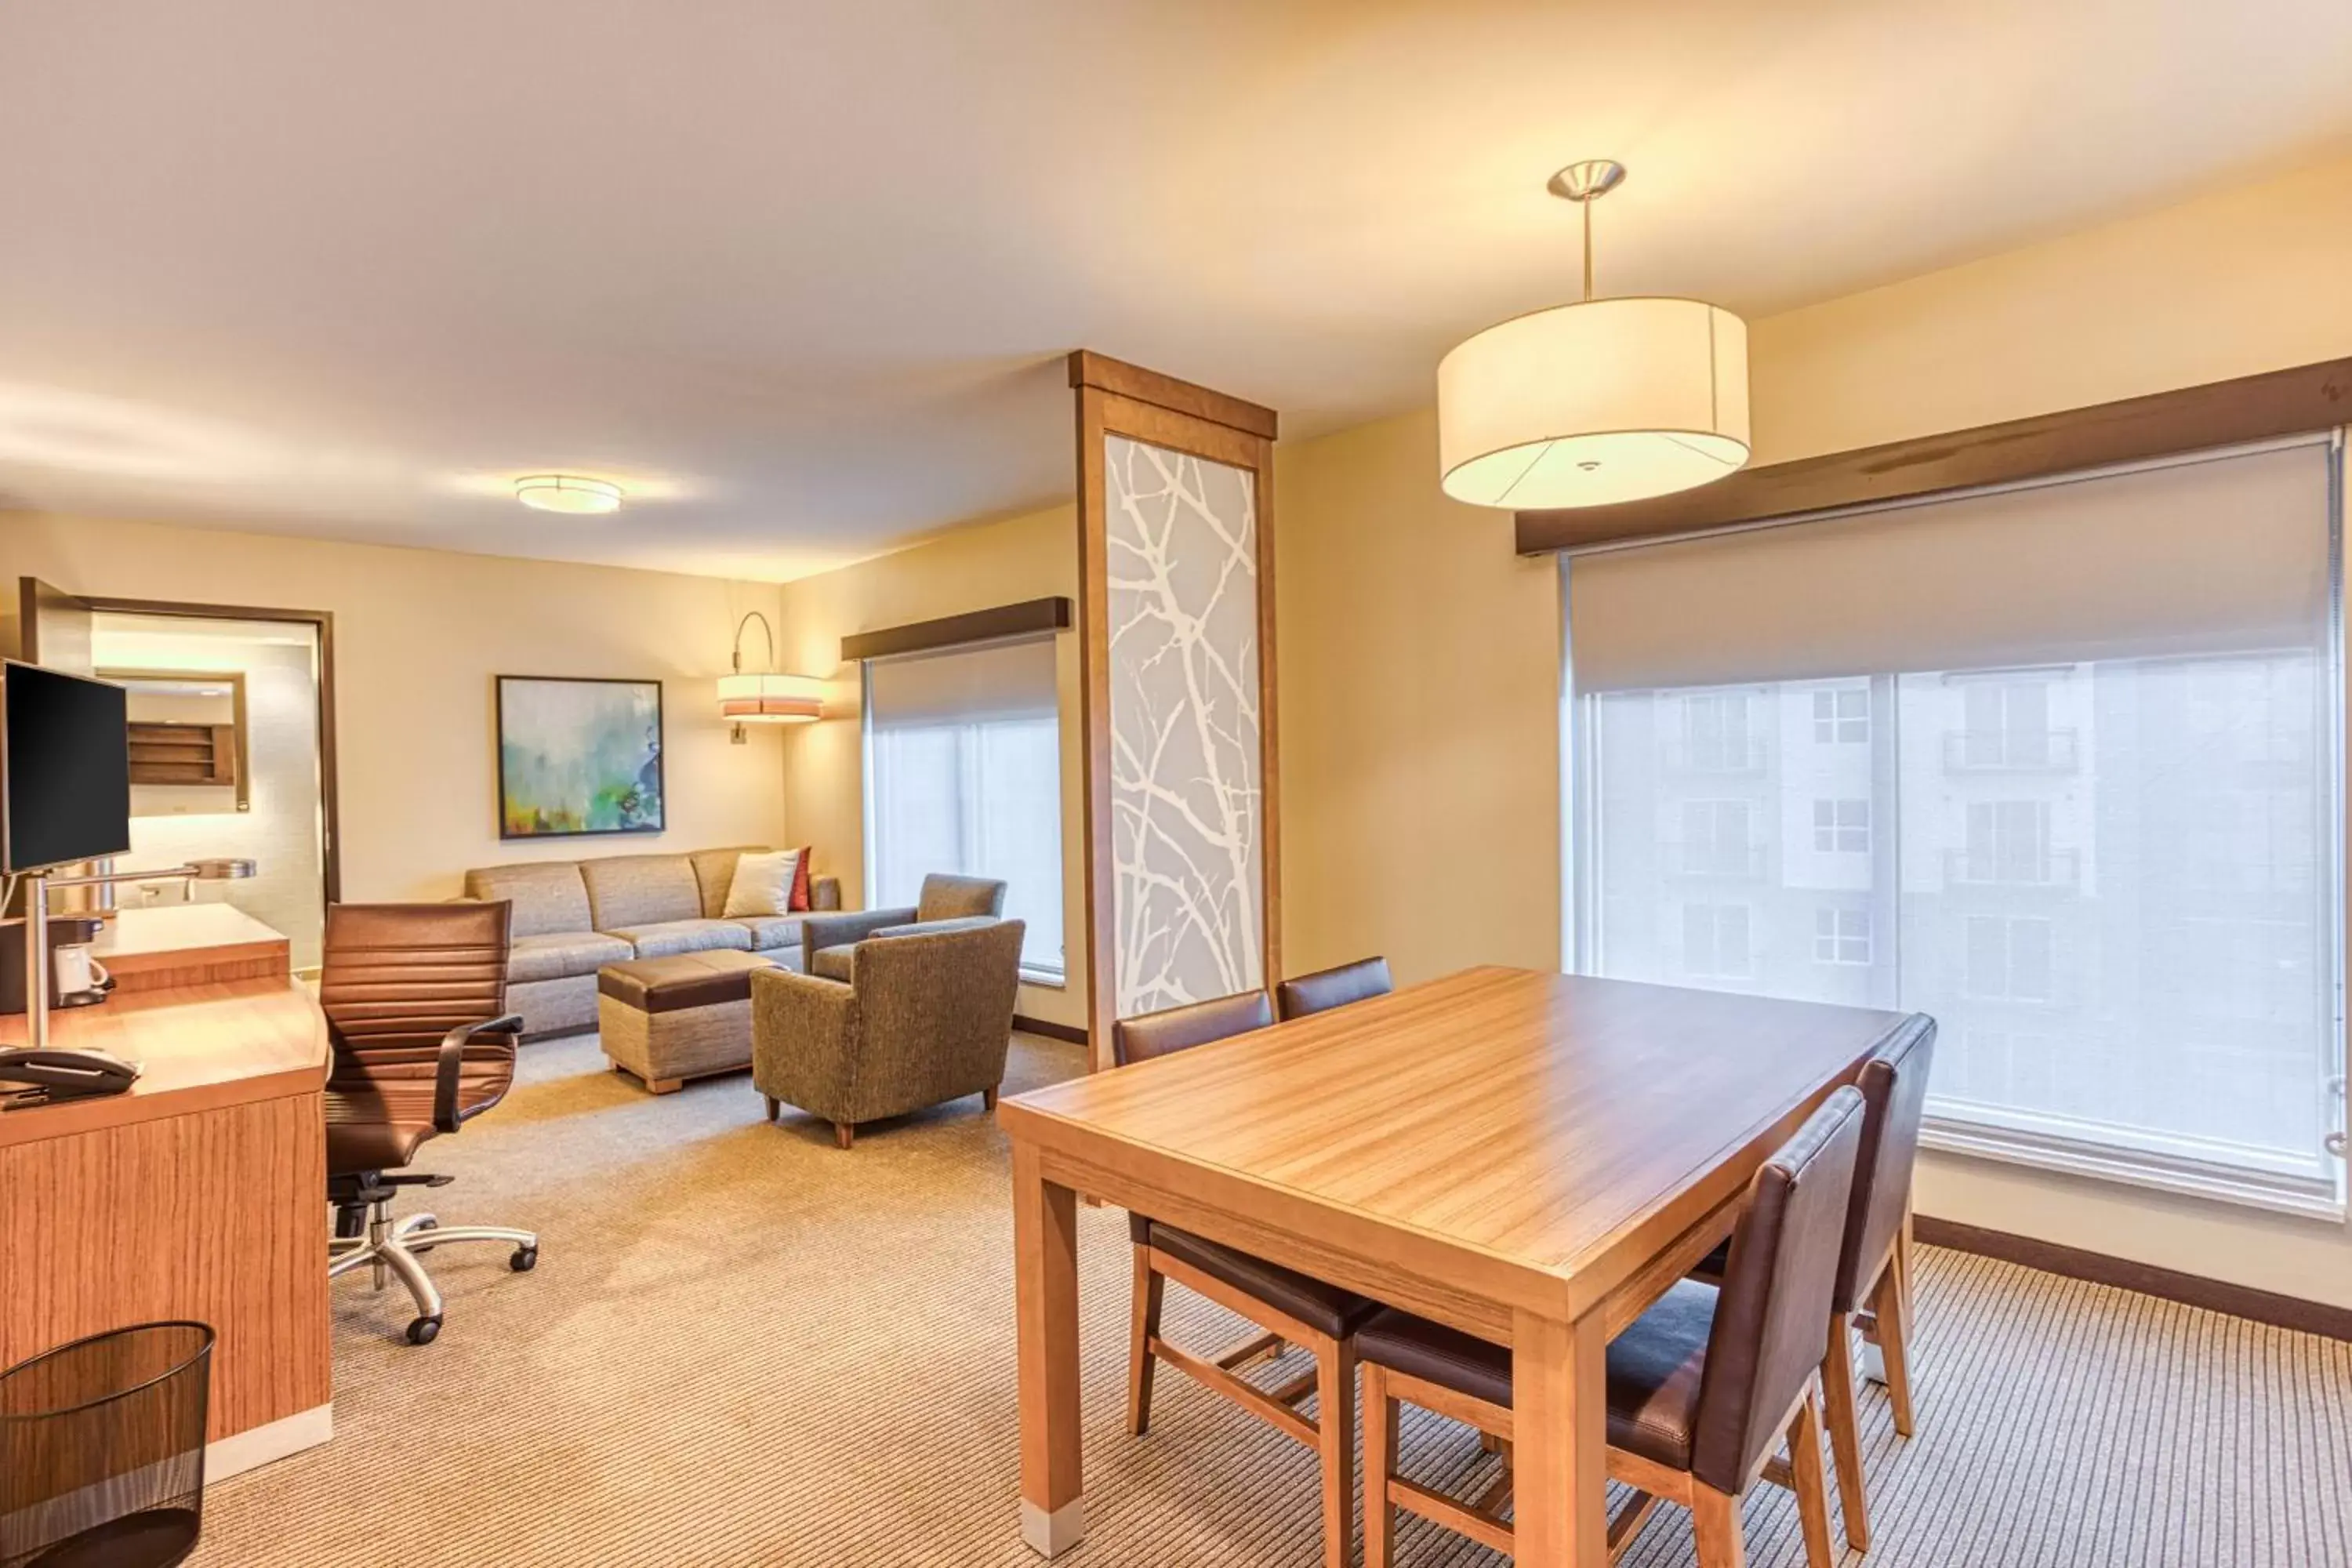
(232, 718)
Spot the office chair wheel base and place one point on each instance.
(423, 1225)
(424, 1331)
(524, 1260)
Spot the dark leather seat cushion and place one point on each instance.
(1655, 1368)
(1326, 1309)
(678, 981)
(375, 1124)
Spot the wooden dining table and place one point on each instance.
(1530, 1157)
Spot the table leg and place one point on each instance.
(1045, 1263)
(1560, 1420)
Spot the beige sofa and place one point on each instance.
(573, 917)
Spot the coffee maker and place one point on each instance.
(76, 978)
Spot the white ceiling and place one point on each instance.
(800, 274)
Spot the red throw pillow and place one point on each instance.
(800, 882)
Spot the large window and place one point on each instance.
(2052, 766)
(963, 773)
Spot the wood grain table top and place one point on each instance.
(1527, 1123)
(197, 1046)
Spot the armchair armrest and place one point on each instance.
(452, 1058)
(933, 928)
(819, 932)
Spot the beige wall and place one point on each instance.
(973, 568)
(1419, 719)
(419, 635)
(1418, 661)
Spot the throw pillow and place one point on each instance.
(800, 880)
(764, 884)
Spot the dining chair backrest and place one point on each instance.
(1181, 1029)
(1893, 1094)
(1329, 988)
(1766, 1341)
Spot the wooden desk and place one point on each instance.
(199, 1194)
(1533, 1158)
(182, 944)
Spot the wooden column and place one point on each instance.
(1182, 831)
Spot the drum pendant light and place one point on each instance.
(1595, 403)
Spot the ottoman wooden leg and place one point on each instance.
(665, 1085)
(988, 1098)
(844, 1134)
(772, 1107)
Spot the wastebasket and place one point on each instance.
(102, 1450)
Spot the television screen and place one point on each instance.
(64, 753)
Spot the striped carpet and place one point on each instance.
(744, 1346)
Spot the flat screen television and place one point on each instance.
(65, 768)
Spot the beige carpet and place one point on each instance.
(743, 1346)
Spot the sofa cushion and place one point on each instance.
(625, 890)
(557, 956)
(547, 895)
(662, 938)
(772, 930)
(833, 963)
(714, 872)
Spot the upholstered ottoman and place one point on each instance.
(687, 1015)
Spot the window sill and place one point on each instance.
(2125, 1167)
(1045, 981)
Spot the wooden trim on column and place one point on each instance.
(2169, 1284)
(1114, 398)
(1139, 385)
(1030, 618)
(2277, 403)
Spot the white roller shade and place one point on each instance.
(1006, 681)
(2228, 553)
(963, 775)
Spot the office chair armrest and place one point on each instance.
(453, 1058)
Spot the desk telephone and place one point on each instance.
(57, 1075)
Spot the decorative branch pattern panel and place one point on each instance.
(1187, 767)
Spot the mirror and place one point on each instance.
(187, 741)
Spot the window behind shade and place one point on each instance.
(2050, 763)
(963, 775)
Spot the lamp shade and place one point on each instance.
(770, 698)
(1592, 404)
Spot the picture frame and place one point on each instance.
(580, 757)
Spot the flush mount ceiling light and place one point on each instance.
(567, 492)
(1594, 402)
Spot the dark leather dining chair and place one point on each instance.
(1287, 1307)
(1701, 1388)
(1873, 1279)
(414, 996)
(1874, 1266)
(1327, 988)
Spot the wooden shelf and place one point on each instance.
(171, 753)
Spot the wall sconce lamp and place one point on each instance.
(766, 697)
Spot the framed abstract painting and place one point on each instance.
(579, 756)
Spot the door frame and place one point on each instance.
(329, 812)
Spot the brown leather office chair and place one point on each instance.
(416, 1002)
(1327, 988)
(1286, 1306)
(1701, 1387)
